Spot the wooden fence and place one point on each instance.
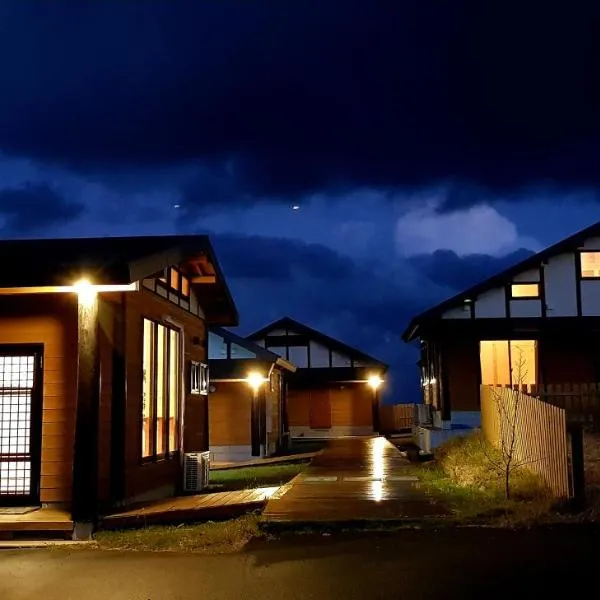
(539, 430)
(395, 417)
(580, 400)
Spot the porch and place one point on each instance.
(35, 522)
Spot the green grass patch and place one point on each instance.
(210, 538)
(253, 477)
(462, 474)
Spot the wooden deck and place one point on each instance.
(200, 507)
(354, 479)
(42, 520)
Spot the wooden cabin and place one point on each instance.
(333, 392)
(103, 367)
(534, 324)
(247, 398)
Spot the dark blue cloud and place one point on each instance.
(33, 208)
(300, 96)
(458, 273)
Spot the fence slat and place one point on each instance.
(540, 431)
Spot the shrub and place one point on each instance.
(470, 461)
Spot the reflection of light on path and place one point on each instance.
(377, 474)
(377, 457)
(376, 490)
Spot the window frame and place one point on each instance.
(517, 283)
(199, 378)
(580, 275)
(167, 279)
(168, 453)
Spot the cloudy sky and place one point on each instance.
(424, 144)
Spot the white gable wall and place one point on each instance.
(460, 312)
(528, 276)
(319, 355)
(560, 284)
(491, 304)
(592, 243)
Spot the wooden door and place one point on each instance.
(320, 409)
(20, 425)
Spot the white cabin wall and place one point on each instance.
(319, 355)
(526, 308)
(592, 243)
(590, 297)
(560, 286)
(528, 276)
(491, 304)
(460, 312)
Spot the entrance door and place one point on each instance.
(20, 425)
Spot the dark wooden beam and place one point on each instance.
(118, 405)
(85, 459)
(255, 423)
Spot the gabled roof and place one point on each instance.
(336, 345)
(112, 261)
(261, 353)
(533, 261)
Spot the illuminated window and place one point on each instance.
(590, 265)
(161, 390)
(506, 362)
(525, 290)
(185, 287)
(174, 279)
(148, 388)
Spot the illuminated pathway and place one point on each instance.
(354, 479)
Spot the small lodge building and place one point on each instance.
(536, 323)
(104, 367)
(334, 390)
(247, 401)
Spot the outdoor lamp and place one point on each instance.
(375, 381)
(255, 380)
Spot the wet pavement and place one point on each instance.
(450, 564)
(354, 479)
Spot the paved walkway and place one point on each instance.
(353, 479)
(200, 507)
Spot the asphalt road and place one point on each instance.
(461, 564)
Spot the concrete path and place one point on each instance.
(354, 479)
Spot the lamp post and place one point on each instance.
(375, 382)
(255, 381)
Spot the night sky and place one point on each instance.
(425, 143)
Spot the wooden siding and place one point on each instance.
(144, 477)
(51, 320)
(540, 433)
(229, 409)
(460, 358)
(350, 406)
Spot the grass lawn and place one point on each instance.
(252, 477)
(461, 475)
(209, 538)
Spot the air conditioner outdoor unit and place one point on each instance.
(196, 471)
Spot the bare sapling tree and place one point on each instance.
(507, 403)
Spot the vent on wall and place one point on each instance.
(196, 471)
